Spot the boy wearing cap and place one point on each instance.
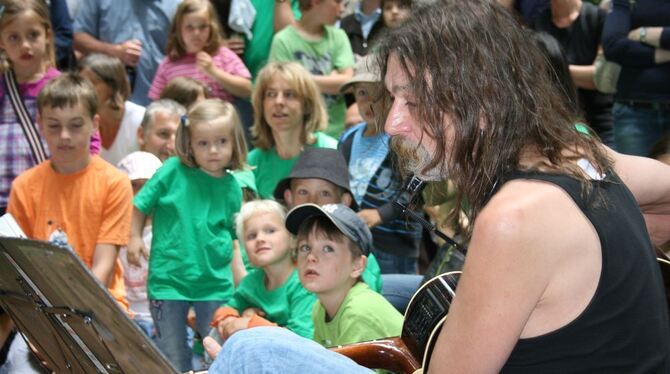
(320, 177)
(140, 167)
(375, 183)
(332, 248)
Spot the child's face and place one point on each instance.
(25, 39)
(312, 190)
(394, 13)
(159, 138)
(266, 240)
(327, 267)
(194, 31)
(212, 145)
(364, 93)
(67, 132)
(329, 10)
(282, 106)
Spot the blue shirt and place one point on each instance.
(116, 21)
(367, 21)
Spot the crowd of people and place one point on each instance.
(232, 176)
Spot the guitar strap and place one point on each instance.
(27, 124)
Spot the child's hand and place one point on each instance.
(136, 249)
(370, 216)
(231, 325)
(253, 311)
(204, 62)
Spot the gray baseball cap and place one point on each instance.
(345, 219)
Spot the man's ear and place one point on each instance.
(359, 266)
(140, 136)
(346, 199)
(288, 197)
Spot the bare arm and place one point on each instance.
(237, 265)
(128, 51)
(136, 246)
(283, 15)
(582, 76)
(104, 260)
(330, 84)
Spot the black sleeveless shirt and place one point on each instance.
(625, 327)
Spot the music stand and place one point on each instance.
(75, 324)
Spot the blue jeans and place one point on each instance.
(170, 323)
(392, 264)
(277, 350)
(398, 289)
(636, 129)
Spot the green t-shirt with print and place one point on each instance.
(269, 168)
(321, 57)
(363, 315)
(192, 230)
(289, 305)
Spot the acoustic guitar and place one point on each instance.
(424, 317)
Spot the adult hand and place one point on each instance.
(370, 216)
(235, 44)
(129, 52)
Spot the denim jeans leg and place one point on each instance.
(204, 312)
(637, 129)
(398, 289)
(278, 350)
(170, 322)
(392, 264)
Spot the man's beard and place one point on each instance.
(414, 159)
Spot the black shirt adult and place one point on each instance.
(580, 42)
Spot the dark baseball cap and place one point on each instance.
(345, 219)
(322, 163)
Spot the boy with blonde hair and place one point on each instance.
(74, 198)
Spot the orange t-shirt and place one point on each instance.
(92, 206)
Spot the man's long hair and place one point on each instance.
(470, 61)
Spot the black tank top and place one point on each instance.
(625, 327)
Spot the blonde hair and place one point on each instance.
(300, 80)
(13, 8)
(211, 110)
(111, 71)
(255, 207)
(175, 46)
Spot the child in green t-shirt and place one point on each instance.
(332, 248)
(270, 294)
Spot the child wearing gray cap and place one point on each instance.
(332, 248)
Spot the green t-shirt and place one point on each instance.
(191, 248)
(320, 57)
(270, 168)
(364, 315)
(257, 49)
(289, 305)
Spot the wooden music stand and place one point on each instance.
(75, 324)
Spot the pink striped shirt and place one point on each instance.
(225, 60)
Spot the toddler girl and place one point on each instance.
(195, 49)
(193, 199)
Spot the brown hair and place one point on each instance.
(211, 110)
(111, 71)
(314, 109)
(184, 90)
(470, 62)
(13, 8)
(175, 46)
(67, 90)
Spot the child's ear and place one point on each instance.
(38, 119)
(96, 122)
(346, 199)
(288, 197)
(359, 266)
